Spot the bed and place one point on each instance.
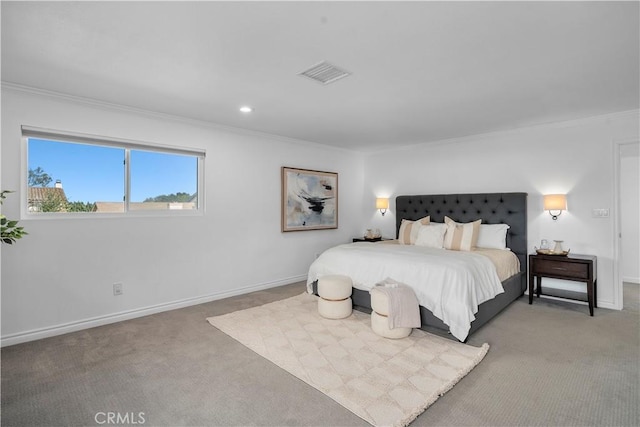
(492, 208)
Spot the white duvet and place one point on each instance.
(451, 284)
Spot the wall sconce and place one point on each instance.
(555, 202)
(382, 205)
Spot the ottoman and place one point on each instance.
(379, 321)
(335, 296)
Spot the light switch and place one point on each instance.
(600, 213)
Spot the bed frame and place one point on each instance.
(492, 208)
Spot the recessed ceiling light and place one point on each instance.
(246, 109)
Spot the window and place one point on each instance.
(72, 173)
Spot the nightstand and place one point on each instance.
(578, 268)
(362, 239)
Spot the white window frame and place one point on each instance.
(125, 144)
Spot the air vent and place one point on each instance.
(324, 73)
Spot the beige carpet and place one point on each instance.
(385, 382)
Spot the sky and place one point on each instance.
(91, 173)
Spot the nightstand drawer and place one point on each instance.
(561, 268)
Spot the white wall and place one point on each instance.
(575, 158)
(630, 213)
(59, 277)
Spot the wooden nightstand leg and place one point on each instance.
(539, 286)
(590, 296)
(531, 279)
(595, 293)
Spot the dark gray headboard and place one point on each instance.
(492, 208)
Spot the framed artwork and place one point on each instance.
(309, 199)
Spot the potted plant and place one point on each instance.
(9, 230)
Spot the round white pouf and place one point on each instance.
(379, 302)
(335, 296)
(335, 309)
(380, 325)
(335, 287)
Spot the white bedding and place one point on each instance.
(451, 284)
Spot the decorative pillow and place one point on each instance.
(409, 230)
(432, 235)
(461, 237)
(493, 236)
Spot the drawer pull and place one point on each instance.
(559, 268)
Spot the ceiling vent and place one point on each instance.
(324, 73)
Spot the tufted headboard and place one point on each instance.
(492, 208)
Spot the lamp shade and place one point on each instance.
(555, 202)
(382, 203)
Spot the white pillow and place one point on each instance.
(431, 236)
(493, 236)
(409, 230)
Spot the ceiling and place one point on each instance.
(421, 71)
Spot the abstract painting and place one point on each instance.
(309, 199)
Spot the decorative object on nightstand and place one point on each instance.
(555, 203)
(578, 268)
(370, 236)
(557, 249)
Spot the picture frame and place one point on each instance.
(309, 199)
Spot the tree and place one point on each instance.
(53, 202)
(39, 178)
(81, 207)
(178, 197)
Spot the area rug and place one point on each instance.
(385, 382)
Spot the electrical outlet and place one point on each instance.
(117, 289)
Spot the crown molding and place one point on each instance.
(16, 87)
(603, 118)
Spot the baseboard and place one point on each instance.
(634, 280)
(65, 328)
